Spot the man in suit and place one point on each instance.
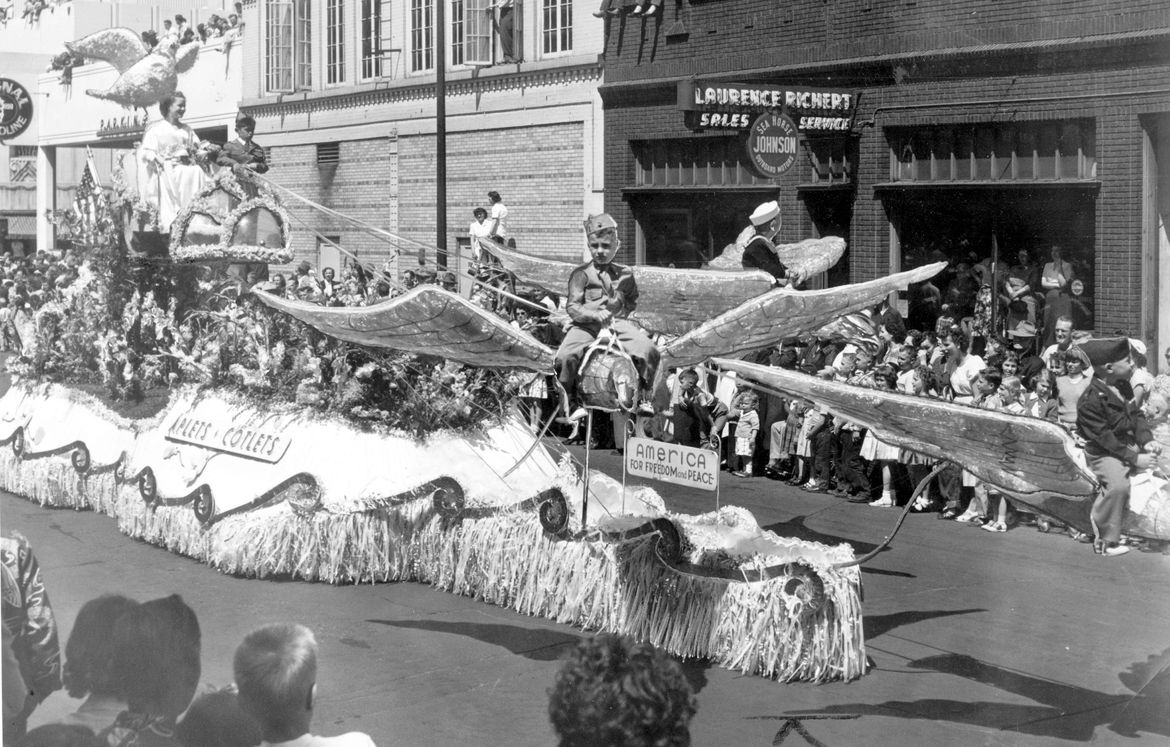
(243, 154)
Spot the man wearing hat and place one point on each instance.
(1118, 440)
(760, 252)
(601, 295)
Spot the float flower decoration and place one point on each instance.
(224, 224)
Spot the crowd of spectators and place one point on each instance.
(135, 667)
(179, 30)
(26, 284)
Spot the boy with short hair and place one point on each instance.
(276, 676)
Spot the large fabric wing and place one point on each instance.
(119, 46)
(1030, 459)
(808, 257)
(670, 301)
(767, 319)
(430, 321)
(186, 55)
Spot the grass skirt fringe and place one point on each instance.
(505, 559)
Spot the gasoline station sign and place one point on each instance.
(772, 144)
(16, 109)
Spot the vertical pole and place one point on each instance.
(588, 450)
(441, 131)
(46, 196)
(994, 282)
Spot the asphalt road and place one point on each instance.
(976, 639)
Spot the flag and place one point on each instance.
(87, 201)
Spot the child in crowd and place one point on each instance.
(986, 393)
(276, 676)
(746, 430)
(691, 410)
(1011, 394)
(790, 444)
(1039, 402)
(879, 452)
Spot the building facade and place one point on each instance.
(344, 96)
(922, 130)
(44, 164)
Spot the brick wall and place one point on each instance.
(363, 185)
(1114, 84)
(537, 170)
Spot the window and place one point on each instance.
(288, 50)
(1064, 150)
(717, 161)
(477, 32)
(373, 21)
(422, 35)
(334, 42)
(457, 27)
(558, 26)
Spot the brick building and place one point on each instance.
(344, 96)
(1024, 123)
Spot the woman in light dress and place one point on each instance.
(168, 176)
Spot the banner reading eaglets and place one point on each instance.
(681, 465)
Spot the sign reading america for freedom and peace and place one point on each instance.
(16, 109)
(681, 465)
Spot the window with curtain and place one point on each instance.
(477, 32)
(422, 35)
(334, 42)
(288, 45)
(557, 28)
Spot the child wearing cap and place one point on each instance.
(760, 252)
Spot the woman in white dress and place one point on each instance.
(168, 176)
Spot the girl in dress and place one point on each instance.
(168, 176)
(875, 450)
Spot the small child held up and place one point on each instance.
(746, 431)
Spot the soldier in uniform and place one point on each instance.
(601, 295)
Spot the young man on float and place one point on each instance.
(760, 251)
(1118, 441)
(601, 295)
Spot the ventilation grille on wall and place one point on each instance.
(328, 153)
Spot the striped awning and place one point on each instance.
(21, 226)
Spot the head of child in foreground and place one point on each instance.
(276, 674)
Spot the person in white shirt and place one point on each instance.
(497, 225)
(479, 229)
(276, 676)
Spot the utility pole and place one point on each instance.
(441, 132)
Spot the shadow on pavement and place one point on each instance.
(1061, 711)
(796, 527)
(535, 644)
(877, 625)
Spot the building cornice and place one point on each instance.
(850, 59)
(459, 83)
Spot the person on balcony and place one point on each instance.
(168, 176)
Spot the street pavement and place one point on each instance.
(975, 638)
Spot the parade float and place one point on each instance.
(271, 437)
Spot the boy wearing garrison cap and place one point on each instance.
(1118, 441)
(601, 295)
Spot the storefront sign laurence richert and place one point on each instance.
(681, 465)
(229, 435)
(734, 106)
(772, 144)
(16, 109)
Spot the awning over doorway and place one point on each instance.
(21, 226)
